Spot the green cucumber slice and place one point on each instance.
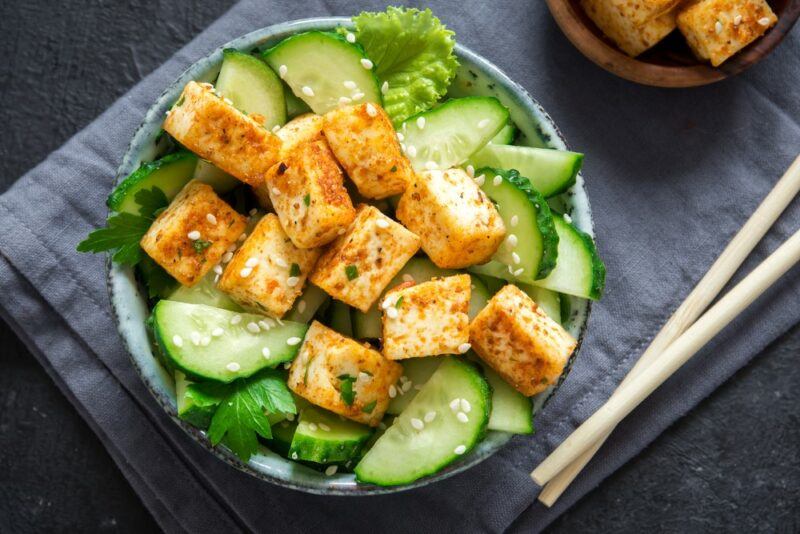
(324, 438)
(580, 271)
(307, 304)
(406, 453)
(550, 171)
(511, 410)
(418, 371)
(208, 173)
(176, 324)
(282, 435)
(527, 217)
(294, 106)
(193, 407)
(452, 132)
(339, 318)
(169, 174)
(252, 86)
(549, 301)
(316, 66)
(506, 135)
(205, 292)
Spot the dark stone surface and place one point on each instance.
(732, 464)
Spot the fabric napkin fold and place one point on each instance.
(671, 176)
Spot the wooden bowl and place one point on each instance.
(670, 63)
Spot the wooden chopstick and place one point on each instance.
(686, 346)
(701, 296)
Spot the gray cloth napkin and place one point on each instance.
(671, 174)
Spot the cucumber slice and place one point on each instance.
(580, 271)
(252, 86)
(316, 66)
(452, 132)
(549, 301)
(534, 254)
(404, 453)
(566, 307)
(506, 135)
(176, 324)
(511, 410)
(307, 305)
(169, 174)
(195, 408)
(282, 435)
(339, 318)
(221, 181)
(205, 292)
(550, 171)
(323, 437)
(418, 371)
(294, 106)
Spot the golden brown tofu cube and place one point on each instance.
(192, 234)
(308, 194)
(519, 341)
(427, 319)
(717, 29)
(218, 132)
(365, 143)
(618, 20)
(268, 272)
(327, 359)
(357, 266)
(458, 224)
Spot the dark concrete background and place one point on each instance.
(731, 464)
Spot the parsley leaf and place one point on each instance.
(200, 245)
(369, 407)
(294, 270)
(158, 281)
(351, 271)
(399, 302)
(151, 202)
(346, 389)
(307, 200)
(123, 233)
(242, 414)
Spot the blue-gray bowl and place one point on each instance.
(475, 76)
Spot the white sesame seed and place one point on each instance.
(276, 128)
(387, 303)
(253, 212)
(236, 319)
(247, 271)
(430, 165)
(243, 236)
(233, 367)
(228, 256)
(367, 64)
(308, 91)
(177, 340)
(282, 70)
(402, 147)
(194, 235)
(351, 38)
(325, 427)
(519, 271)
(420, 122)
(276, 191)
(384, 88)
(357, 96)
(280, 262)
(464, 347)
(417, 423)
(408, 278)
(391, 313)
(737, 20)
(411, 150)
(454, 404)
(217, 332)
(210, 217)
(382, 223)
(218, 269)
(301, 306)
(371, 110)
(228, 101)
(251, 262)
(461, 449)
(429, 417)
(392, 391)
(343, 100)
(514, 220)
(264, 325)
(403, 379)
(253, 328)
(718, 27)
(287, 365)
(510, 270)
(312, 427)
(512, 240)
(341, 231)
(400, 136)
(231, 247)
(205, 341)
(515, 258)
(349, 84)
(418, 387)
(292, 281)
(480, 180)
(292, 341)
(471, 171)
(497, 180)
(483, 124)
(764, 21)
(294, 456)
(195, 338)
(462, 417)
(331, 470)
(466, 407)
(290, 417)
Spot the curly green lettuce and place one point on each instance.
(413, 56)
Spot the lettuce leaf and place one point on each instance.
(412, 52)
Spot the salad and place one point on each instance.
(346, 265)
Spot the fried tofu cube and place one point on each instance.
(192, 234)
(365, 143)
(342, 375)
(218, 132)
(358, 266)
(427, 319)
(622, 23)
(718, 29)
(268, 272)
(308, 194)
(458, 224)
(519, 341)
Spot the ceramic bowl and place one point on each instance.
(475, 76)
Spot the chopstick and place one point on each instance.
(701, 296)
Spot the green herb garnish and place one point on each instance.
(294, 270)
(346, 389)
(307, 200)
(351, 271)
(399, 302)
(122, 234)
(369, 407)
(151, 202)
(200, 245)
(158, 281)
